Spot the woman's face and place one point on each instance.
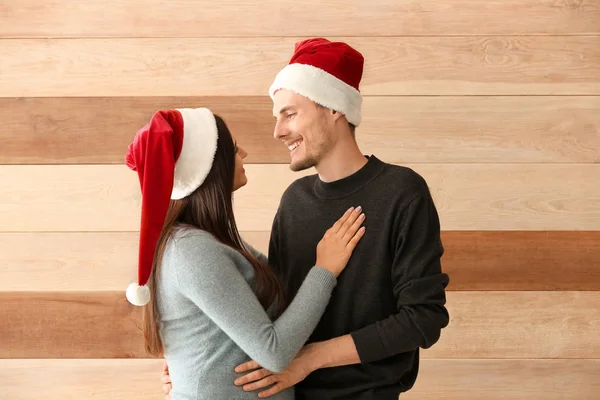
(239, 178)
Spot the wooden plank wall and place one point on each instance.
(496, 103)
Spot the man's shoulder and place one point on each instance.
(403, 179)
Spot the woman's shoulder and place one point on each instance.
(193, 252)
(198, 244)
(188, 233)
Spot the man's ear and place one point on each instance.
(336, 115)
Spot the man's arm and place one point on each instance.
(332, 353)
(419, 287)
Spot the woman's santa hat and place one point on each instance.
(327, 73)
(172, 155)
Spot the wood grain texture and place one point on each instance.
(506, 380)
(97, 261)
(512, 260)
(483, 325)
(468, 196)
(398, 129)
(482, 129)
(521, 325)
(67, 325)
(98, 130)
(438, 379)
(450, 379)
(189, 18)
(81, 379)
(478, 65)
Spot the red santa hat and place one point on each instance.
(172, 155)
(327, 73)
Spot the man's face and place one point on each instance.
(303, 127)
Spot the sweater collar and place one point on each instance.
(352, 183)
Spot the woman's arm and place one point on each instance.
(208, 276)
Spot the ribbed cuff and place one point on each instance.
(323, 276)
(368, 344)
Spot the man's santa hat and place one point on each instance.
(327, 73)
(172, 155)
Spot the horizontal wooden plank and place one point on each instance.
(505, 260)
(483, 197)
(527, 260)
(399, 129)
(481, 65)
(483, 325)
(137, 379)
(484, 129)
(81, 379)
(189, 18)
(521, 325)
(80, 261)
(98, 130)
(70, 325)
(506, 380)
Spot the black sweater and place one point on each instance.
(391, 296)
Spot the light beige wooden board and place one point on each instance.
(108, 379)
(506, 380)
(502, 260)
(190, 18)
(458, 65)
(520, 325)
(468, 196)
(417, 129)
(438, 379)
(494, 324)
(75, 261)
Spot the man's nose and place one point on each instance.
(279, 131)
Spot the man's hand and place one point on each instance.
(165, 378)
(297, 371)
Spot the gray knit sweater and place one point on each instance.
(211, 320)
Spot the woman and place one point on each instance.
(209, 297)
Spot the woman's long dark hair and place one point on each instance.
(210, 208)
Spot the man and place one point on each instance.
(390, 300)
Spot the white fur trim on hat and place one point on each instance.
(138, 295)
(197, 152)
(320, 87)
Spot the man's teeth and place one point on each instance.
(293, 146)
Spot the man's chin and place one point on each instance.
(301, 165)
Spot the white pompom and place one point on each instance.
(138, 295)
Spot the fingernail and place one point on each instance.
(358, 208)
(350, 209)
(362, 216)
